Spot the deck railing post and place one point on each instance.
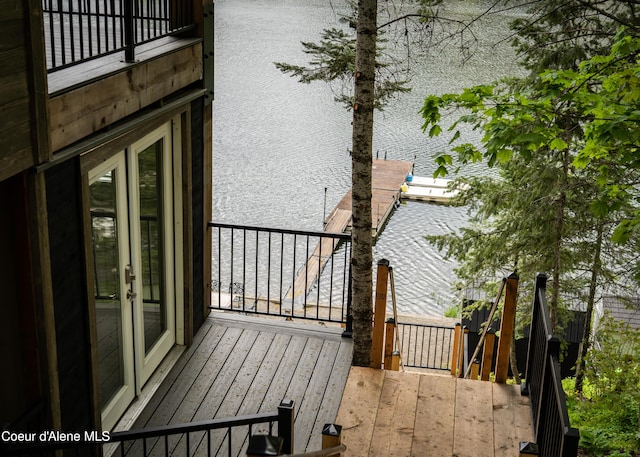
(455, 354)
(331, 437)
(379, 313)
(348, 330)
(464, 337)
(286, 417)
(487, 355)
(129, 40)
(389, 339)
(506, 329)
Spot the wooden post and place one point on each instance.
(457, 332)
(487, 355)
(286, 418)
(395, 361)
(475, 369)
(331, 437)
(390, 326)
(506, 329)
(379, 315)
(461, 359)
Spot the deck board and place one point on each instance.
(473, 429)
(433, 433)
(359, 409)
(244, 365)
(385, 413)
(510, 408)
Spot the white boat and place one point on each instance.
(427, 189)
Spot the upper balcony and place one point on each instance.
(107, 59)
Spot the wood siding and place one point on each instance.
(19, 84)
(90, 108)
(64, 207)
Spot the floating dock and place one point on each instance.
(389, 185)
(386, 180)
(428, 189)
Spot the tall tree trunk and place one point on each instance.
(586, 338)
(361, 169)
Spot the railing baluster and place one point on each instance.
(257, 263)
(269, 273)
(293, 275)
(244, 268)
(281, 269)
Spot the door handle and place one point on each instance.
(129, 275)
(131, 295)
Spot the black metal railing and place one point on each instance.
(216, 437)
(290, 273)
(426, 346)
(79, 30)
(554, 435)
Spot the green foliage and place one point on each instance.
(333, 59)
(608, 412)
(453, 311)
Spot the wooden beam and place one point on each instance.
(507, 327)
(379, 315)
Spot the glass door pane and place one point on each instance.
(107, 200)
(152, 249)
(152, 246)
(107, 285)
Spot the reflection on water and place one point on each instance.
(278, 143)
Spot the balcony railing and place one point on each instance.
(216, 437)
(80, 30)
(426, 346)
(288, 273)
(554, 435)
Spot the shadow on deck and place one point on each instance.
(241, 365)
(388, 413)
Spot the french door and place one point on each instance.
(132, 223)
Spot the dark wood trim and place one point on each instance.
(38, 89)
(94, 142)
(208, 204)
(187, 241)
(96, 409)
(43, 289)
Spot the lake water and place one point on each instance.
(278, 143)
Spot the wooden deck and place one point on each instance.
(244, 365)
(386, 413)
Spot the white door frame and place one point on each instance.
(140, 364)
